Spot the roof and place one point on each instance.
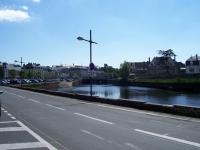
(161, 60)
(193, 58)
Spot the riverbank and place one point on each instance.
(49, 85)
(179, 84)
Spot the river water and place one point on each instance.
(137, 93)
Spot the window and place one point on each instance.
(191, 70)
(196, 63)
(187, 63)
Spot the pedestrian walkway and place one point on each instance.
(16, 135)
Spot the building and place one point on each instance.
(163, 66)
(138, 67)
(193, 65)
(7, 68)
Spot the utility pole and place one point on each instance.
(21, 62)
(91, 66)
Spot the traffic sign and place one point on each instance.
(91, 66)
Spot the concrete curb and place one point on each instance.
(171, 109)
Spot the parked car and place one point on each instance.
(40, 80)
(25, 81)
(3, 82)
(34, 81)
(15, 81)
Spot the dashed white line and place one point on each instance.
(30, 99)
(13, 118)
(55, 107)
(9, 114)
(92, 134)
(5, 111)
(146, 113)
(100, 120)
(132, 146)
(22, 145)
(169, 138)
(23, 97)
(9, 129)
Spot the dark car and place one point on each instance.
(15, 81)
(34, 81)
(2, 82)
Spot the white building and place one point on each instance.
(193, 65)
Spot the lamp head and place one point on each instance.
(80, 38)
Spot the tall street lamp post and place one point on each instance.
(91, 66)
(21, 62)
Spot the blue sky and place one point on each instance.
(45, 31)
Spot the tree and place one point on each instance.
(124, 71)
(113, 72)
(1, 72)
(167, 53)
(12, 73)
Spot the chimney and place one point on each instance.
(196, 57)
(149, 59)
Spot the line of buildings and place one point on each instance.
(165, 67)
(157, 67)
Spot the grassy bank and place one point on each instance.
(170, 81)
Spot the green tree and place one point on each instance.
(1, 72)
(124, 71)
(114, 72)
(12, 73)
(167, 53)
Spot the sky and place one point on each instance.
(46, 31)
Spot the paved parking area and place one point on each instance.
(16, 135)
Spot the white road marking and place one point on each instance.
(146, 113)
(9, 114)
(93, 118)
(30, 99)
(55, 107)
(8, 129)
(5, 111)
(23, 127)
(13, 118)
(22, 145)
(12, 93)
(169, 138)
(92, 134)
(23, 97)
(123, 109)
(41, 140)
(132, 146)
(4, 122)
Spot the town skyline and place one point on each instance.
(46, 32)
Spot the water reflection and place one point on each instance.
(137, 93)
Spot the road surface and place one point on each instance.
(39, 122)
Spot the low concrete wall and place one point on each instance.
(171, 109)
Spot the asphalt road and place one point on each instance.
(40, 121)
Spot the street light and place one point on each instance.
(21, 62)
(91, 66)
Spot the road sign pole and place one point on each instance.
(90, 63)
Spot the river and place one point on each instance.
(151, 95)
